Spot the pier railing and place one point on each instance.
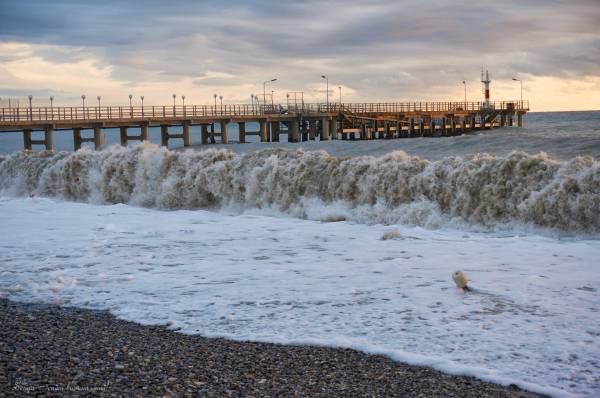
(90, 113)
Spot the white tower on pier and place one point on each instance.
(485, 79)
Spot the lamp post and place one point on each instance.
(265, 90)
(327, 90)
(52, 106)
(272, 101)
(520, 81)
(98, 110)
(130, 97)
(142, 98)
(221, 100)
(83, 100)
(287, 99)
(30, 107)
(465, 84)
(183, 100)
(98, 98)
(174, 97)
(340, 88)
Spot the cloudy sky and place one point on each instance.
(375, 50)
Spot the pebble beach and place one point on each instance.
(48, 350)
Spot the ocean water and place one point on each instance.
(285, 243)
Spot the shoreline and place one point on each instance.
(53, 350)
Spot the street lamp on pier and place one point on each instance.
(142, 98)
(30, 107)
(340, 88)
(265, 90)
(520, 81)
(83, 100)
(465, 84)
(327, 90)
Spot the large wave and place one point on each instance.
(485, 190)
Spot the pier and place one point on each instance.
(298, 122)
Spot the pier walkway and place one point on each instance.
(300, 122)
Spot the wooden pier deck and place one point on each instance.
(300, 122)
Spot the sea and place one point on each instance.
(334, 243)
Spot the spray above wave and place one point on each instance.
(487, 190)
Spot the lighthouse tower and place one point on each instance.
(485, 79)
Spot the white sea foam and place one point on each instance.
(531, 319)
(394, 188)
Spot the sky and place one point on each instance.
(376, 51)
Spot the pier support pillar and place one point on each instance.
(98, 137)
(212, 134)
(519, 119)
(325, 129)
(27, 145)
(242, 132)
(502, 120)
(123, 133)
(387, 131)
(274, 131)
(332, 129)
(453, 126)
(164, 135)
(511, 117)
(224, 132)
(144, 132)
(49, 139)
(204, 134)
(312, 129)
(411, 127)
(366, 132)
(187, 139)
(463, 124)
(77, 139)
(293, 133)
(304, 130)
(443, 127)
(421, 127)
(264, 133)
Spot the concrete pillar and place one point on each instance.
(242, 130)
(123, 131)
(144, 132)
(304, 130)
(312, 129)
(411, 127)
(264, 132)
(519, 119)
(463, 124)
(49, 138)
(365, 134)
(164, 136)
(212, 134)
(77, 139)
(431, 128)
(27, 145)
(511, 117)
(204, 134)
(97, 138)
(275, 131)
(421, 127)
(502, 120)
(325, 133)
(293, 133)
(333, 127)
(453, 126)
(387, 132)
(224, 132)
(187, 139)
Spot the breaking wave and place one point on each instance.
(395, 188)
